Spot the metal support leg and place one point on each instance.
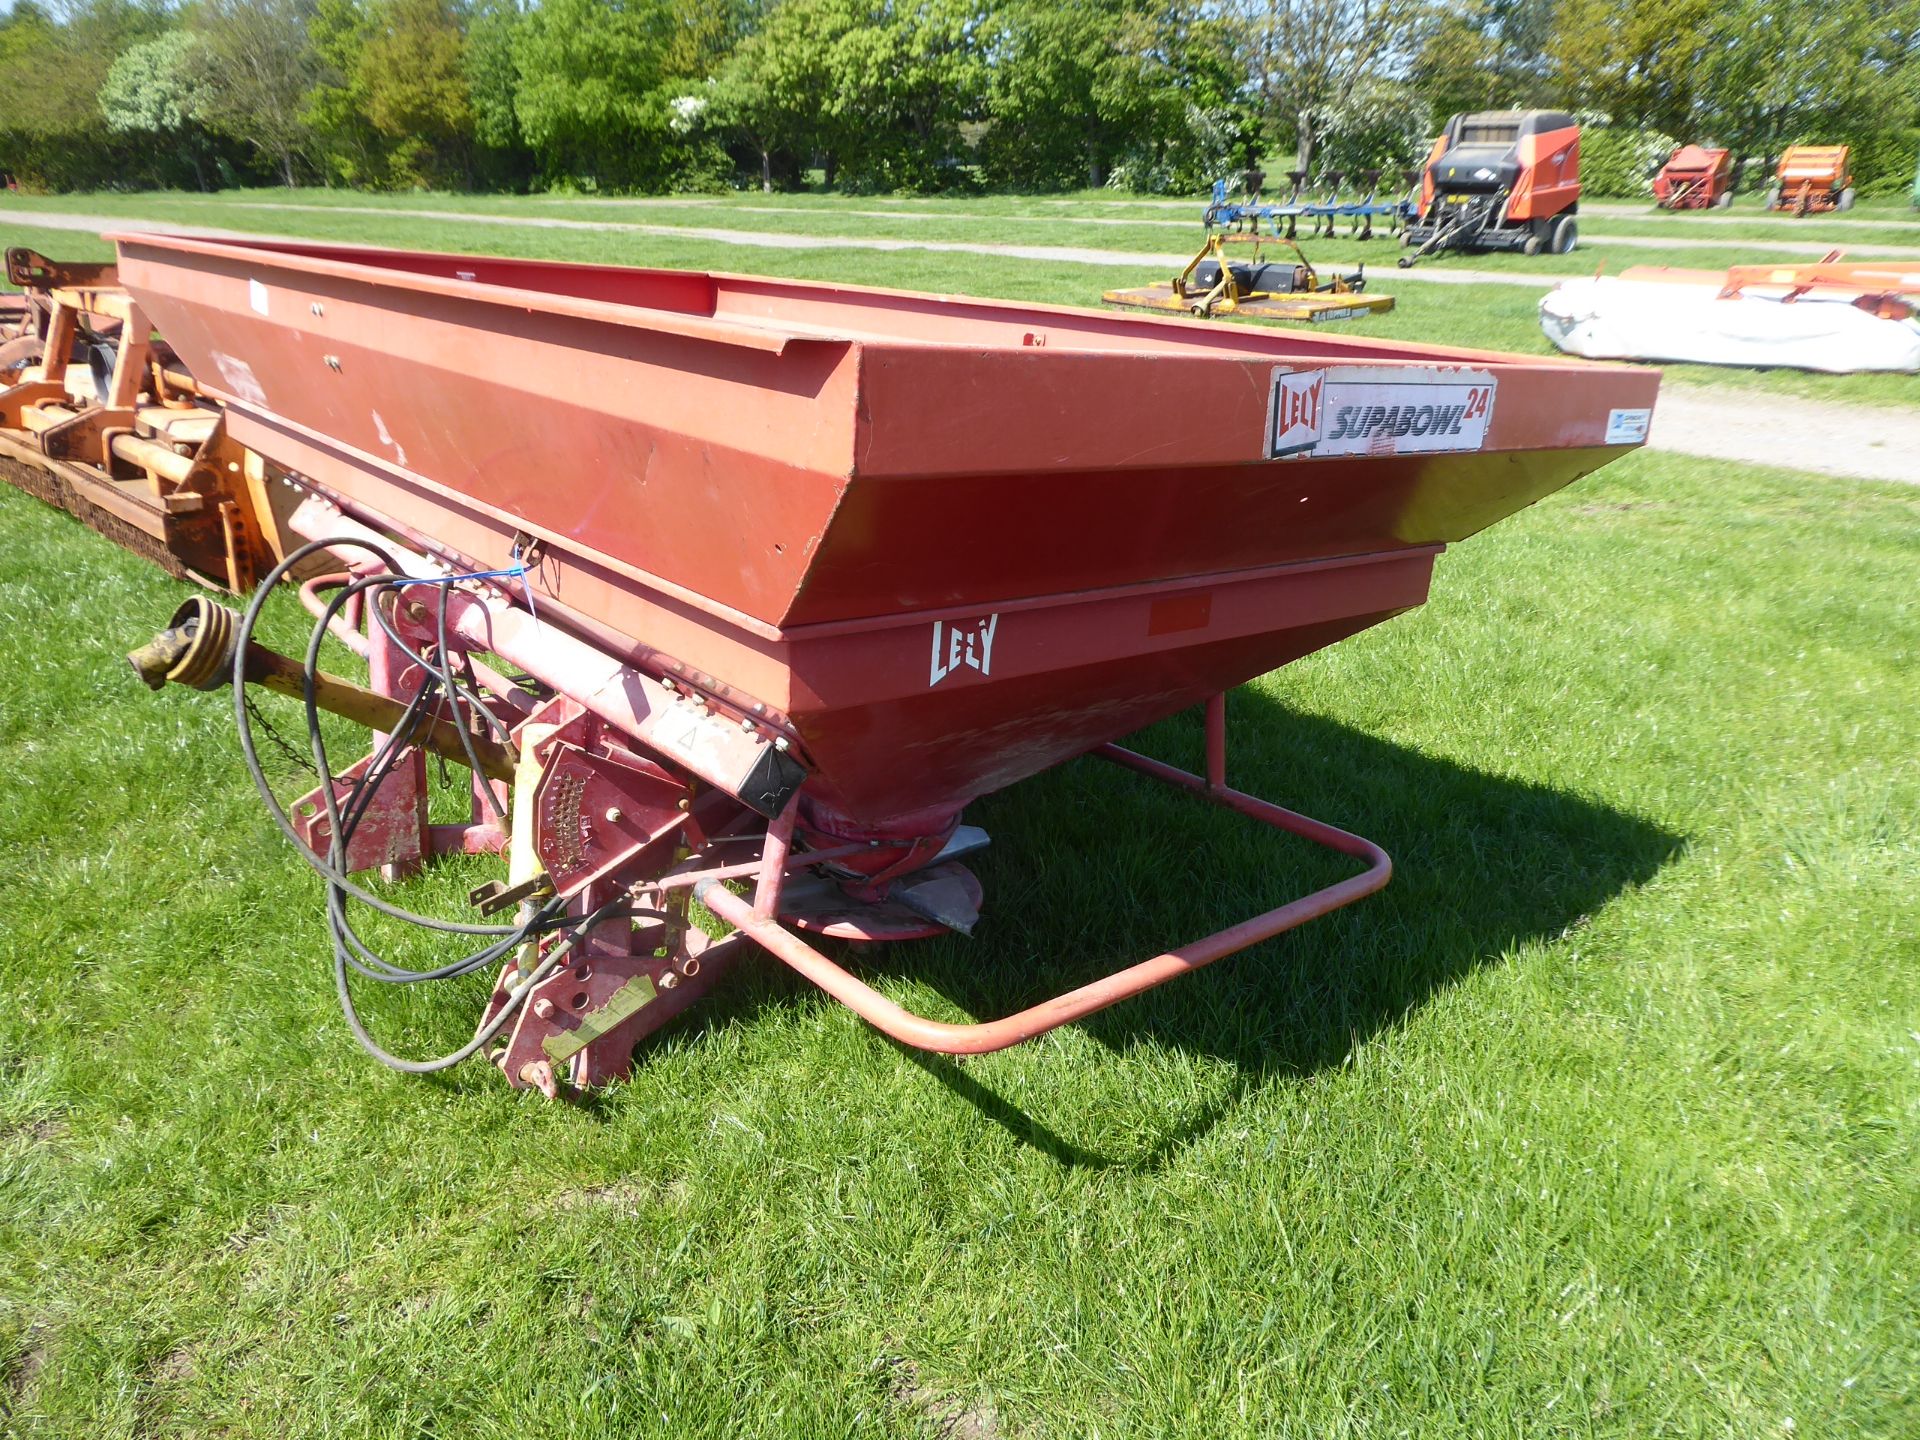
(915, 1030)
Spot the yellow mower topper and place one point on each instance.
(1212, 286)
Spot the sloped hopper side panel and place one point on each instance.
(938, 711)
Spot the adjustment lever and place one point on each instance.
(493, 897)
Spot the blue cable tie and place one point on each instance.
(517, 571)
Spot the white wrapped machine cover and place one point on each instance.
(1609, 318)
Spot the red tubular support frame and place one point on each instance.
(979, 1039)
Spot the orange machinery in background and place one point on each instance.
(1695, 177)
(1813, 179)
(98, 417)
(1499, 180)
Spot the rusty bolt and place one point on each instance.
(613, 815)
(543, 1008)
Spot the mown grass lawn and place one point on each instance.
(1601, 1119)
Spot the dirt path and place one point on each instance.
(1858, 441)
(1071, 254)
(100, 224)
(1810, 249)
(1750, 217)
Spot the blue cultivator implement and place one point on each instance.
(1324, 214)
(1360, 214)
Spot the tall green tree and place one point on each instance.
(1776, 73)
(501, 158)
(588, 94)
(702, 34)
(749, 101)
(1640, 62)
(773, 91)
(1487, 55)
(492, 77)
(1305, 59)
(887, 84)
(259, 65)
(343, 141)
(1072, 86)
(159, 89)
(414, 74)
(55, 63)
(52, 65)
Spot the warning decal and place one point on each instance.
(1378, 410)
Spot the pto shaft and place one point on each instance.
(196, 649)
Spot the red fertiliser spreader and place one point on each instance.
(733, 592)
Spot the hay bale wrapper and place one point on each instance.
(733, 592)
(1499, 180)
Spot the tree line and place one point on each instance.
(643, 96)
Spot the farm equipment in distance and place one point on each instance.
(1826, 316)
(1330, 209)
(1886, 289)
(733, 592)
(1695, 177)
(1812, 180)
(1213, 284)
(1283, 217)
(1499, 180)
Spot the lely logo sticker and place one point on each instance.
(1378, 410)
(1296, 411)
(959, 647)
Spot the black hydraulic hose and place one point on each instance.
(350, 952)
(459, 721)
(342, 824)
(457, 695)
(555, 954)
(243, 723)
(332, 869)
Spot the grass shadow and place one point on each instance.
(1093, 868)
